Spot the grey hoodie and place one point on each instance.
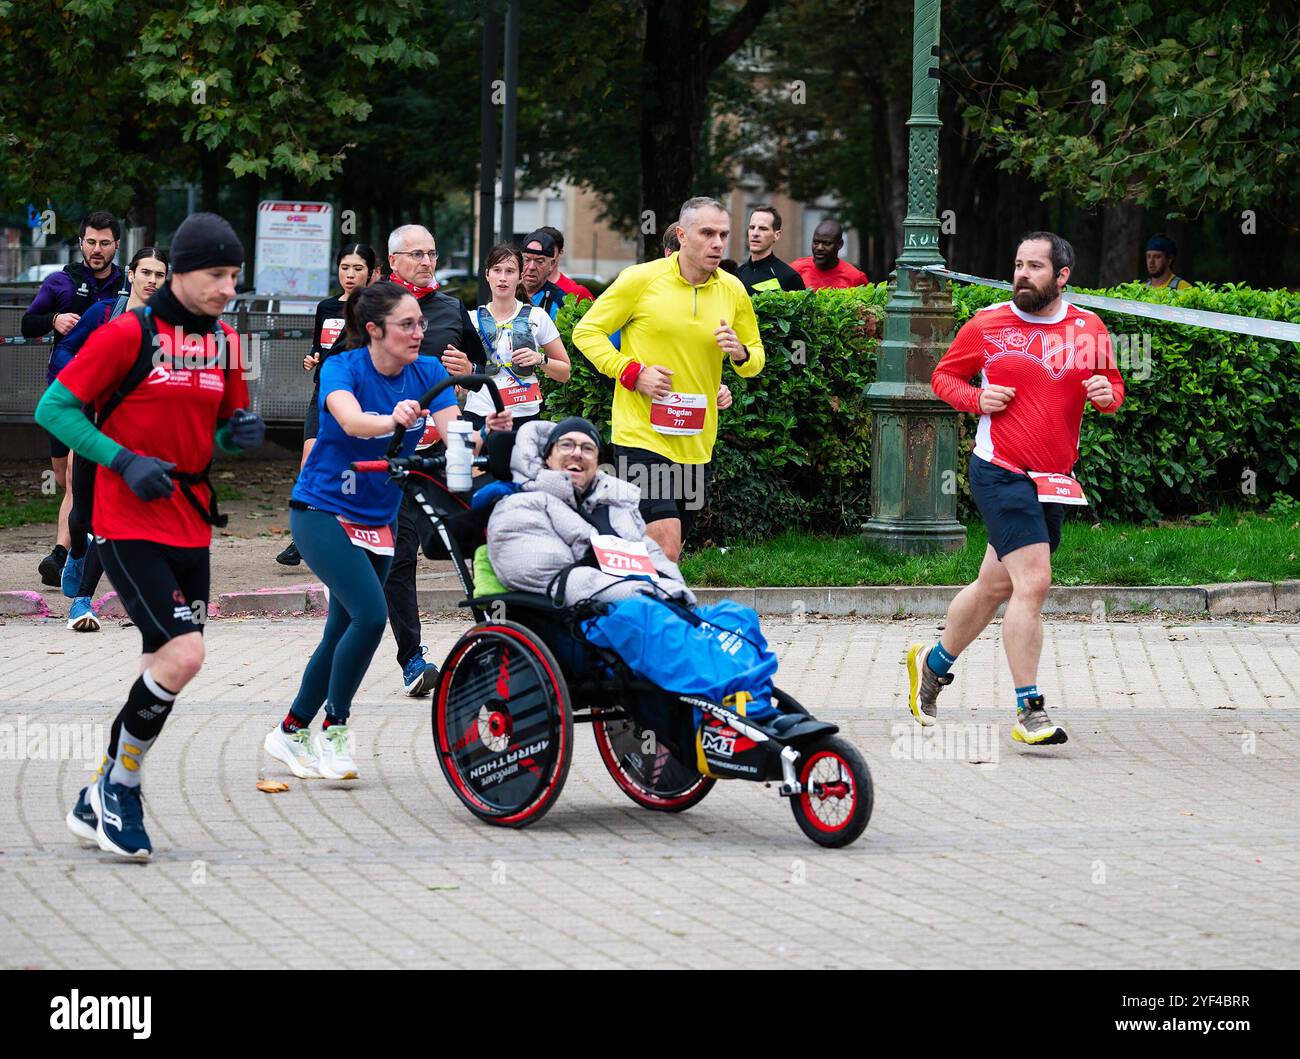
(536, 532)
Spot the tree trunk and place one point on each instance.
(672, 113)
(251, 193)
(210, 186)
(1121, 243)
(143, 211)
(897, 111)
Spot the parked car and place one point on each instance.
(37, 273)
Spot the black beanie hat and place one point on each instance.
(205, 240)
(572, 425)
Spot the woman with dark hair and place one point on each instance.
(356, 270)
(345, 523)
(81, 573)
(518, 339)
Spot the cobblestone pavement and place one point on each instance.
(1166, 833)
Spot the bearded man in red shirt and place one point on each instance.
(1039, 360)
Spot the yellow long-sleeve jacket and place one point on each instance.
(669, 322)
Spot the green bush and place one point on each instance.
(1216, 419)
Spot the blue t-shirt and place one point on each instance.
(327, 482)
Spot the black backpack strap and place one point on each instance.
(139, 370)
(211, 514)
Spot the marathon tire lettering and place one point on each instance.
(511, 758)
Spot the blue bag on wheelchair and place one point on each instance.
(712, 651)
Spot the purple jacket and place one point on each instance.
(74, 290)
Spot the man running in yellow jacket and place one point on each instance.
(677, 315)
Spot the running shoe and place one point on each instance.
(51, 567)
(82, 820)
(290, 556)
(1034, 727)
(82, 616)
(121, 819)
(924, 686)
(419, 676)
(294, 749)
(334, 753)
(70, 579)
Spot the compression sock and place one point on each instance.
(939, 660)
(291, 724)
(136, 728)
(330, 722)
(1023, 695)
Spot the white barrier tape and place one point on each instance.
(1242, 325)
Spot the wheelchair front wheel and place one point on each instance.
(644, 770)
(835, 805)
(503, 724)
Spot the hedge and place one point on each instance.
(1218, 418)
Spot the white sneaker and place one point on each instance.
(334, 753)
(294, 750)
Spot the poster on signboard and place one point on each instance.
(293, 248)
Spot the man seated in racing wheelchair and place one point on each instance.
(568, 511)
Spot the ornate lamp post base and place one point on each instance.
(913, 434)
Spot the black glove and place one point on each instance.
(145, 475)
(247, 430)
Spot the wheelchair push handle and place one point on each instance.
(474, 381)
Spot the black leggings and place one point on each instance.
(81, 480)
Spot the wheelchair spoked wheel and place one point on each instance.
(651, 777)
(503, 724)
(835, 805)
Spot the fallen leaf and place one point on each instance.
(1184, 812)
(1178, 636)
(444, 887)
(272, 786)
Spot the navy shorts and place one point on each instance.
(1009, 505)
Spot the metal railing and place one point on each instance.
(279, 390)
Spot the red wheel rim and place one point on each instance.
(615, 768)
(830, 794)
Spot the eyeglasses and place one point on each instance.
(567, 447)
(103, 243)
(420, 255)
(410, 327)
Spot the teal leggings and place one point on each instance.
(357, 615)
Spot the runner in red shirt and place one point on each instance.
(165, 381)
(1039, 360)
(825, 268)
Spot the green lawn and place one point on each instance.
(1229, 546)
(20, 510)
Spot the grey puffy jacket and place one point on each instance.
(536, 532)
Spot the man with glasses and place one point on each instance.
(540, 258)
(57, 307)
(448, 334)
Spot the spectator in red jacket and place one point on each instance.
(824, 268)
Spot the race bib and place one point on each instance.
(623, 558)
(377, 539)
(329, 332)
(517, 392)
(1057, 488)
(679, 413)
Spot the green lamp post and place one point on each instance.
(914, 435)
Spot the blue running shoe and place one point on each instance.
(121, 819)
(71, 576)
(419, 676)
(82, 820)
(82, 616)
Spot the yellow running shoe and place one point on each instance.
(1034, 727)
(924, 686)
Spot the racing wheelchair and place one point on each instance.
(514, 686)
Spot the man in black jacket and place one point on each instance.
(452, 337)
(764, 270)
(57, 307)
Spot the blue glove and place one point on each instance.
(246, 428)
(146, 476)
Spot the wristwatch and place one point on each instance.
(545, 359)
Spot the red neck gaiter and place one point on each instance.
(419, 292)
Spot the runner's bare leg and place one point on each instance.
(667, 533)
(975, 605)
(1030, 568)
